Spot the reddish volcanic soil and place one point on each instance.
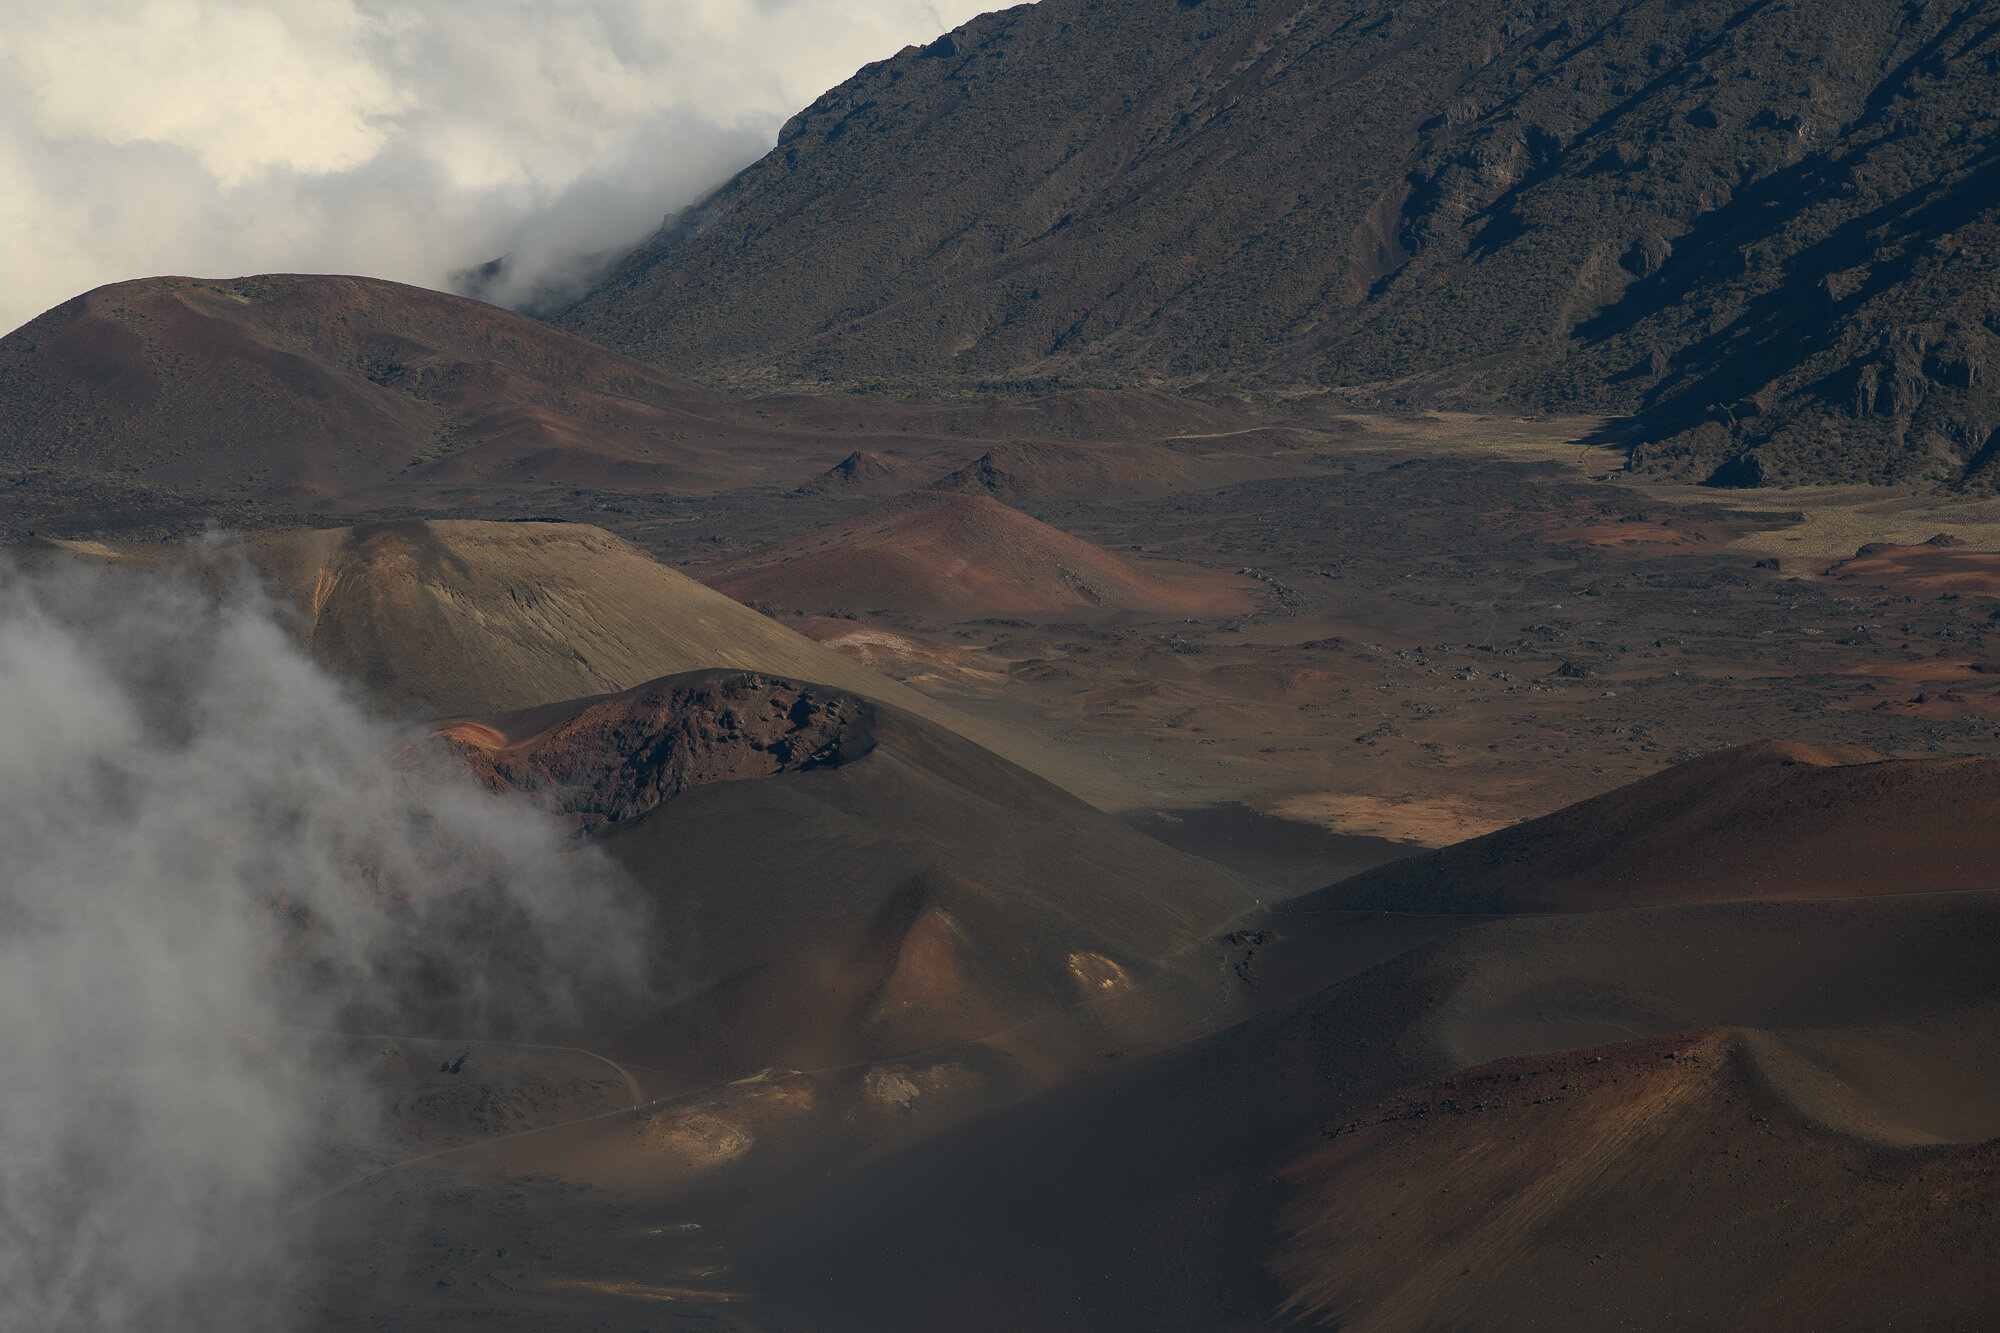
(938, 1043)
(1791, 1132)
(1617, 1177)
(953, 555)
(314, 388)
(342, 394)
(1766, 820)
(1929, 567)
(1935, 668)
(1970, 689)
(852, 883)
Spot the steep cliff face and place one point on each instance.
(1770, 228)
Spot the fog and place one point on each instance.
(402, 139)
(209, 848)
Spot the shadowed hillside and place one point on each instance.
(162, 401)
(1765, 820)
(1789, 1132)
(855, 883)
(1770, 228)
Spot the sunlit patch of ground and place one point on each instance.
(643, 1291)
(1428, 821)
(1838, 520)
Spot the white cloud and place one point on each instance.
(243, 88)
(398, 138)
(208, 851)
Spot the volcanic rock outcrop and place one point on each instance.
(862, 472)
(626, 755)
(852, 882)
(1040, 469)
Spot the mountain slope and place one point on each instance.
(453, 617)
(1766, 820)
(470, 617)
(953, 555)
(1772, 228)
(1564, 1145)
(344, 394)
(319, 388)
(1410, 1148)
(851, 881)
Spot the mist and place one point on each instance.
(210, 849)
(402, 139)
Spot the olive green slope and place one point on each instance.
(1770, 228)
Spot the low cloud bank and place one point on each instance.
(208, 848)
(403, 139)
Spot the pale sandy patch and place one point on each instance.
(646, 1291)
(1428, 821)
(1839, 520)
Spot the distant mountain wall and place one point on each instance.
(1769, 228)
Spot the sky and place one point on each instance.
(402, 139)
